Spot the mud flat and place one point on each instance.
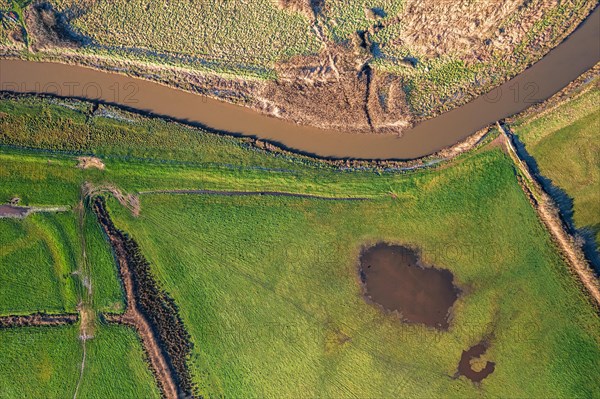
(394, 278)
(465, 366)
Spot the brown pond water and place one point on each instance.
(465, 368)
(579, 52)
(10, 211)
(394, 278)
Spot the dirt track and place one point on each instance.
(549, 215)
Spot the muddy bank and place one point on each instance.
(560, 66)
(394, 278)
(37, 320)
(150, 311)
(12, 211)
(469, 370)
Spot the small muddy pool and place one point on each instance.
(11, 211)
(472, 367)
(394, 277)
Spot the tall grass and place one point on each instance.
(224, 33)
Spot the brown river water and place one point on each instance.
(579, 52)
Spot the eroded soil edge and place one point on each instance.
(151, 311)
(37, 320)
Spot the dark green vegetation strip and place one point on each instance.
(154, 303)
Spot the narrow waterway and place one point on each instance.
(579, 52)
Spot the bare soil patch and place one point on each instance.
(90, 162)
(337, 89)
(394, 277)
(50, 29)
(466, 367)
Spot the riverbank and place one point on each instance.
(322, 86)
(555, 71)
(550, 215)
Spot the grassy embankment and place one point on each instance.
(564, 142)
(268, 287)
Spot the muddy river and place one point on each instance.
(559, 67)
(394, 278)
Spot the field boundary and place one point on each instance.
(549, 214)
(38, 320)
(253, 193)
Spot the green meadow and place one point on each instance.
(269, 290)
(268, 287)
(44, 362)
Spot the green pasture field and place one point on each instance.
(564, 142)
(44, 362)
(37, 257)
(268, 287)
